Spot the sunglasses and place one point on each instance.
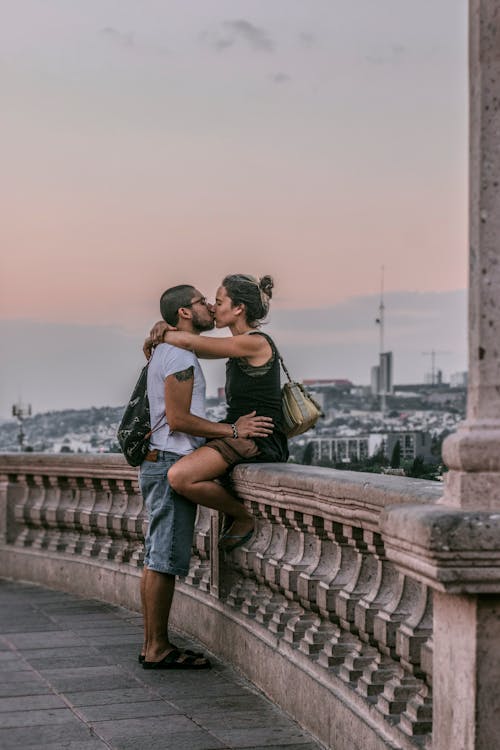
(201, 300)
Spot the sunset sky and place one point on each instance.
(148, 144)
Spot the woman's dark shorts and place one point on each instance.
(235, 450)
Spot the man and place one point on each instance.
(176, 389)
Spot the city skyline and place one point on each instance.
(180, 142)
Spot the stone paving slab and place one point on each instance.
(70, 680)
(196, 740)
(22, 737)
(103, 697)
(31, 702)
(125, 710)
(36, 718)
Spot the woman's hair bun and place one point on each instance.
(266, 285)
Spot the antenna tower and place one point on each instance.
(381, 311)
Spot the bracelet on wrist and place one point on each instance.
(235, 431)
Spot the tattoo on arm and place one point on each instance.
(183, 375)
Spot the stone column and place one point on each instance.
(455, 545)
(473, 453)
(466, 711)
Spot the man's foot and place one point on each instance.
(176, 659)
(238, 533)
(141, 658)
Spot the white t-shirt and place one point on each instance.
(167, 360)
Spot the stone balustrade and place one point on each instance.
(312, 610)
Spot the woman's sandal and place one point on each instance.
(235, 540)
(176, 659)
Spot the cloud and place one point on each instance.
(306, 39)
(280, 78)
(239, 30)
(392, 56)
(128, 41)
(118, 37)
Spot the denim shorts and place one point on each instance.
(169, 537)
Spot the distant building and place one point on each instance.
(434, 378)
(386, 372)
(458, 380)
(381, 377)
(327, 391)
(360, 447)
(375, 380)
(341, 384)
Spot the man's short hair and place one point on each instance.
(174, 298)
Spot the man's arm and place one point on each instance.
(178, 393)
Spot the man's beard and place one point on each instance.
(200, 324)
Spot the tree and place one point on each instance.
(308, 455)
(396, 456)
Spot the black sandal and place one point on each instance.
(176, 659)
(142, 658)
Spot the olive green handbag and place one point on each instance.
(300, 410)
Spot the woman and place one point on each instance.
(252, 384)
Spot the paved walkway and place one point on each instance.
(69, 680)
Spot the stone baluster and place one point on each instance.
(381, 591)
(321, 548)
(316, 635)
(256, 600)
(8, 530)
(268, 606)
(100, 521)
(63, 499)
(134, 552)
(387, 621)
(85, 517)
(336, 647)
(341, 566)
(304, 548)
(416, 719)
(271, 545)
(355, 661)
(283, 614)
(283, 535)
(363, 575)
(34, 510)
(397, 692)
(71, 535)
(199, 569)
(47, 512)
(414, 632)
(24, 492)
(375, 674)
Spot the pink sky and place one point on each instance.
(147, 146)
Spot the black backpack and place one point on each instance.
(135, 427)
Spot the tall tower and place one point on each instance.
(380, 323)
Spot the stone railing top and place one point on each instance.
(105, 465)
(357, 496)
(444, 547)
(348, 496)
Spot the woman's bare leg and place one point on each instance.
(192, 477)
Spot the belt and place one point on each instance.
(155, 454)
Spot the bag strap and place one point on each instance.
(163, 416)
(282, 362)
(157, 425)
(285, 369)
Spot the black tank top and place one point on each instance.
(258, 388)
